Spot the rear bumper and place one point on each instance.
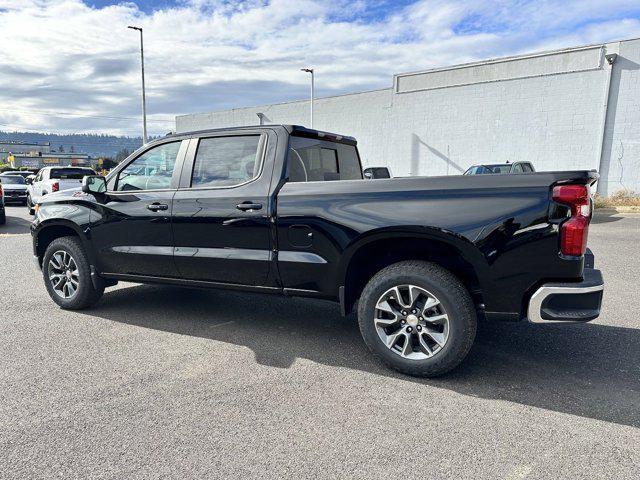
(568, 302)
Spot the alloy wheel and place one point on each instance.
(63, 274)
(411, 322)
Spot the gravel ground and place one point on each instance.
(164, 382)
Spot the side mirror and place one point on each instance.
(371, 173)
(94, 184)
(28, 180)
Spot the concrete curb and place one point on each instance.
(614, 210)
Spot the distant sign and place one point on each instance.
(29, 163)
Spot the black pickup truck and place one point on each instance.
(286, 210)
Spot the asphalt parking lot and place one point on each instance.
(164, 382)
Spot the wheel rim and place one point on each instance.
(63, 274)
(411, 322)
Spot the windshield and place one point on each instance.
(486, 169)
(12, 180)
(71, 173)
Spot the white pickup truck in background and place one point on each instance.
(54, 179)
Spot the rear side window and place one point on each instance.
(518, 168)
(226, 161)
(315, 160)
(502, 169)
(527, 167)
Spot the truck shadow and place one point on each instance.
(589, 370)
(15, 225)
(604, 216)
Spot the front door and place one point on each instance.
(221, 221)
(132, 231)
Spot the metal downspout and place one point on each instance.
(611, 59)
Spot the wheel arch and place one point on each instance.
(49, 230)
(369, 254)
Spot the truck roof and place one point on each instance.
(296, 130)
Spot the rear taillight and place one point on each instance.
(55, 187)
(574, 231)
(1, 191)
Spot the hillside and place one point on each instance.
(96, 145)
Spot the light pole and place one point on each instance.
(144, 102)
(313, 93)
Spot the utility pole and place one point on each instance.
(313, 93)
(144, 101)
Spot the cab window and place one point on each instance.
(315, 160)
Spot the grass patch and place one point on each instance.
(622, 198)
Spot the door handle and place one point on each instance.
(244, 206)
(154, 207)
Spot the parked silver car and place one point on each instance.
(15, 189)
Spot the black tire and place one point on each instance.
(3, 217)
(30, 206)
(86, 294)
(454, 298)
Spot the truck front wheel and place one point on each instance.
(67, 274)
(418, 318)
(30, 205)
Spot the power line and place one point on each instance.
(98, 145)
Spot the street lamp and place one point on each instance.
(144, 103)
(310, 70)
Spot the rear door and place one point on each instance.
(132, 228)
(309, 244)
(221, 213)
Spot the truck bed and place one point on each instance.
(496, 222)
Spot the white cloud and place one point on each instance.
(64, 56)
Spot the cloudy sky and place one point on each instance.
(73, 66)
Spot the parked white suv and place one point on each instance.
(54, 179)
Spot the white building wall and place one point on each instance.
(621, 153)
(362, 115)
(545, 108)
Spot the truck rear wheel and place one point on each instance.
(67, 274)
(418, 318)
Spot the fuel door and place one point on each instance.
(300, 236)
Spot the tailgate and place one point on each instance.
(67, 183)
